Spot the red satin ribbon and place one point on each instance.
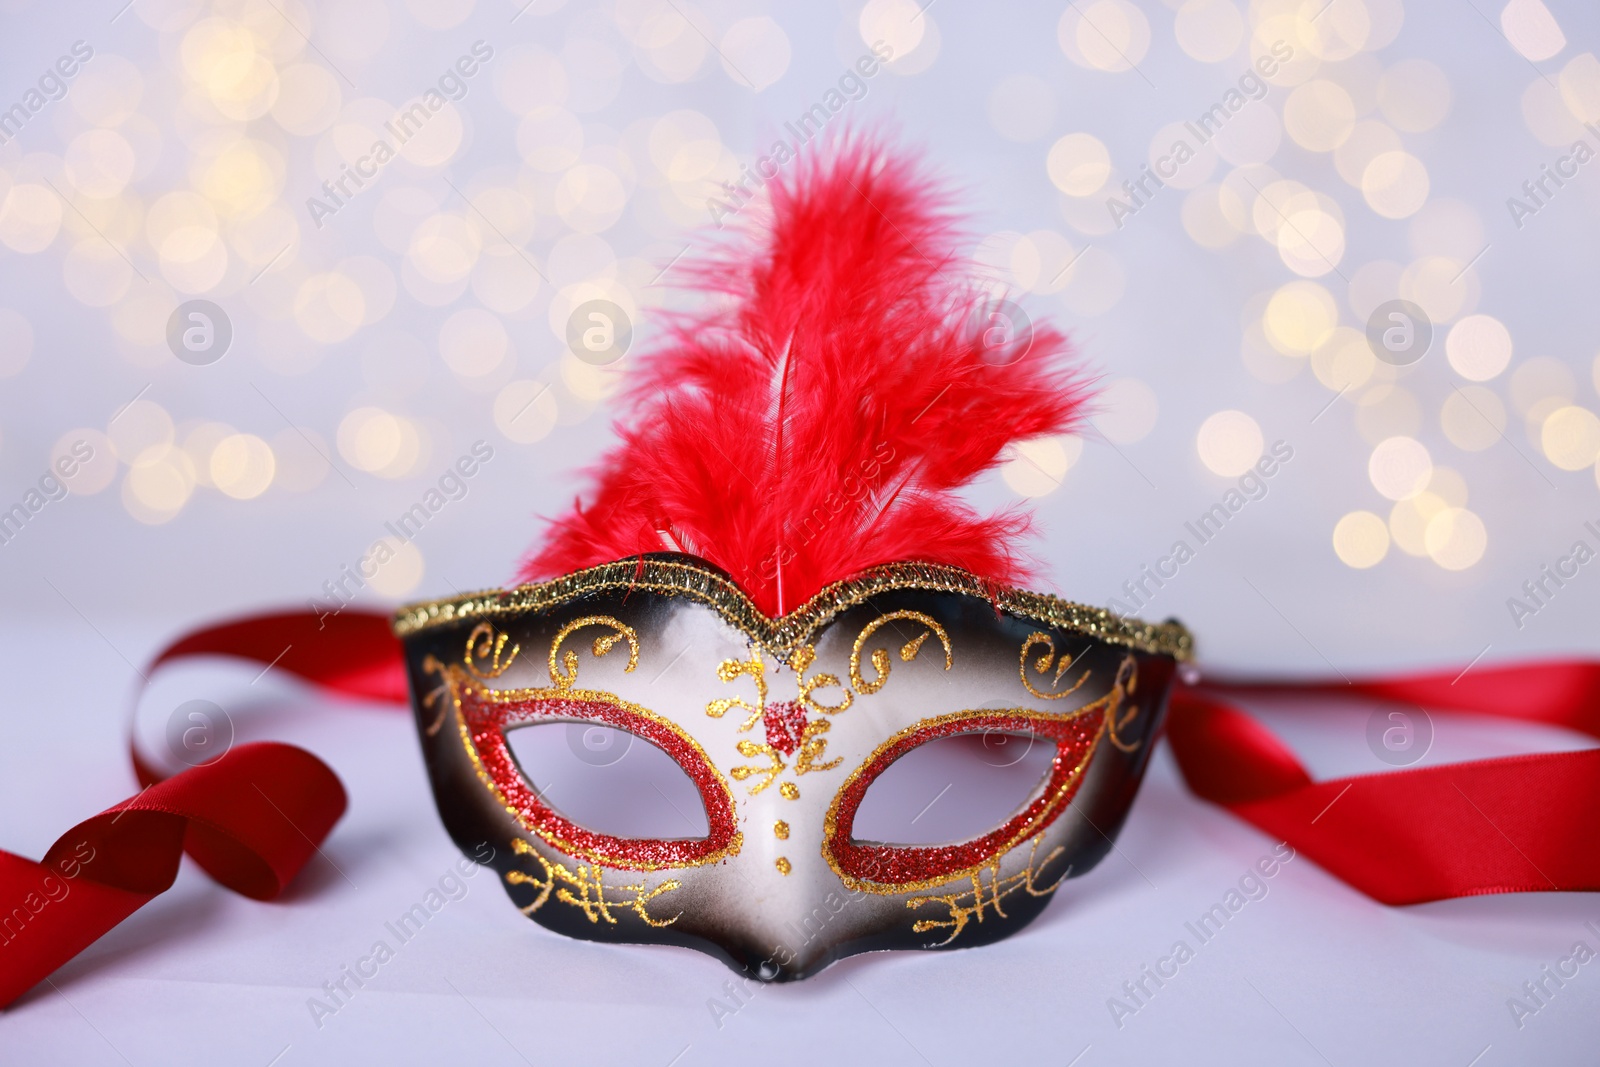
(1509, 825)
(252, 818)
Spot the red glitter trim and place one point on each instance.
(785, 723)
(905, 864)
(487, 722)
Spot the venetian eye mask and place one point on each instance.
(784, 725)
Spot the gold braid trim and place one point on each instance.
(781, 636)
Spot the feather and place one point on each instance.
(820, 414)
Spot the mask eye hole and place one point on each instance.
(489, 719)
(609, 780)
(953, 789)
(880, 867)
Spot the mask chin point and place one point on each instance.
(773, 968)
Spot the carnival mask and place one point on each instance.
(784, 725)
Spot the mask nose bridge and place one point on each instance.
(784, 897)
(783, 909)
(781, 812)
(782, 836)
(794, 911)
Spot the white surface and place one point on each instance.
(201, 976)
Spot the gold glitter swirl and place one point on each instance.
(1126, 681)
(484, 643)
(1043, 665)
(961, 911)
(731, 669)
(813, 747)
(564, 679)
(781, 636)
(774, 767)
(589, 882)
(436, 695)
(880, 656)
(799, 662)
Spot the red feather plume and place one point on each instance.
(820, 416)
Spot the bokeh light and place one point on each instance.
(1229, 443)
(1580, 87)
(1209, 30)
(755, 52)
(30, 218)
(1395, 184)
(1455, 538)
(1478, 347)
(242, 466)
(1531, 29)
(1299, 318)
(1570, 437)
(1103, 35)
(1361, 540)
(370, 438)
(400, 568)
(1319, 115)
(1400, 467)
(1037, 466)
(1344, 360)
(155, 490)
(900, 24)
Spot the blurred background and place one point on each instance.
(359, 337)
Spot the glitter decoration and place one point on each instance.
(784, 722)
(783, 636)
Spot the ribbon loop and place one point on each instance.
(251, 820)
